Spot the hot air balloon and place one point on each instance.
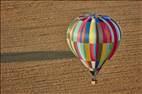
(94, 40)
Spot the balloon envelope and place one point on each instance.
(93, 39)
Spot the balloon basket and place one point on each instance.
(93, 82)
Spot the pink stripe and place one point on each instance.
(108, 34)
(97, 50)
(92, 54)
(109, 39)
(79, 33)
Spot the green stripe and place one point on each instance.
(70, 27)
(110, 49)
(81, 50)
(75, 32)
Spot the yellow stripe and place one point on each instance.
(104, 53)
(92, 35)
(87, 51)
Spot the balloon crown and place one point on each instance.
(91, 14)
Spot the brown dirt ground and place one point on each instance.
(35, 58)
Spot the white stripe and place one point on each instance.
(117, 30)
(93, 64)
(84, 63)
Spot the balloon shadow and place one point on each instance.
(35, 56)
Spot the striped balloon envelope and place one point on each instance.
(94, 40)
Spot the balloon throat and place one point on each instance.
(94, 73)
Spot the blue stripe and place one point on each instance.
(87, 32)
(97, 63)
(97, 20)
(105, 18)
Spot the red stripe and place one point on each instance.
(109, 38)
(92, 50)
(104, 34)
(108, 33)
